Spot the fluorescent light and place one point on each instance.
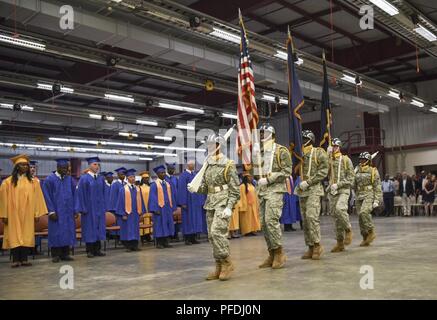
(180, 108)
(348, 78)
(145, 159)
(26, 108)
(433, 109)
(393, 94)
(183, 126)
(147, 122)
(128, 134)
(229, 116)
(49, 87)
(163, 138)
(225, 35)
(281, 55)
(270, 98)
(117, 97)
(6, 106)
(1, 122)
(424, 32)
(102, 117)
(385, 6)
(22, 42)
(284, 56)
(10, 106)
(417, 103)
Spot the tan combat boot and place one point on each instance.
(309, 253)
(317, 251)
(370, 237)
(364, 243)
(268, 262)
(214, 275)
(339, 247)
(279, 259)
(227, 268)
(348, 238)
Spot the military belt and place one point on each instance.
(216, 189)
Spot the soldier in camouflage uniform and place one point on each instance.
(276, 168)
(221, 184)
(310, 191)
(342, 178)
(368, 196)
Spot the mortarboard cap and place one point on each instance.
(62, 161)
(159, 169)
(121, 170)
(93, 160)
(130, 172)
(21, 158)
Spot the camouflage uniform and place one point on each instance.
(368, 190)
(221, 184)
(310, 198)
(339, 201)
(271, 196)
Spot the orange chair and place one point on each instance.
(177, 215)
(111, 221)
(42, 229)
(2, 230)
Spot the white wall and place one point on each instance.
(407, 160)
(405, 126)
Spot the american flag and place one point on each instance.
(247, 110)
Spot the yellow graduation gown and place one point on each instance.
(249, 210)
(21, 204)
(234, 223)
(147, 217)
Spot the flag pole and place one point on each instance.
(328, 126)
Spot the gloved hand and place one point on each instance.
(227, 213)
(334, 187)
(329, 149)
(262, 182)
(304, 185)
(375, 204)
(53, 216)
(190, 188)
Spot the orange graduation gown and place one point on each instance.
(147, 217)
(249, 210)
(21, 204)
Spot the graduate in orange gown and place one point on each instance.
(21, 202)
(147, 217)
(248, 207)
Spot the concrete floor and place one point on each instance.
(403, 257)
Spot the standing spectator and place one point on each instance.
(417, 187)
(388, 192)
(396, 182)
(406, 190)
(423, 178)
(429, 195)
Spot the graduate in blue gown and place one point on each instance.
(129, 210)
(58, 192)
(290, 210)
(191, 206)
(173, 180)
(116, 186)
(90, 203)
(162, 203)
(108, 182)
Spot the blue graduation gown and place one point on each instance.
(163, 224)
(90, 201)
(192, 221)
(130, 228)
(59, 197)
(107, 195)
(174, 184)
(116, 186)
(291, 210)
